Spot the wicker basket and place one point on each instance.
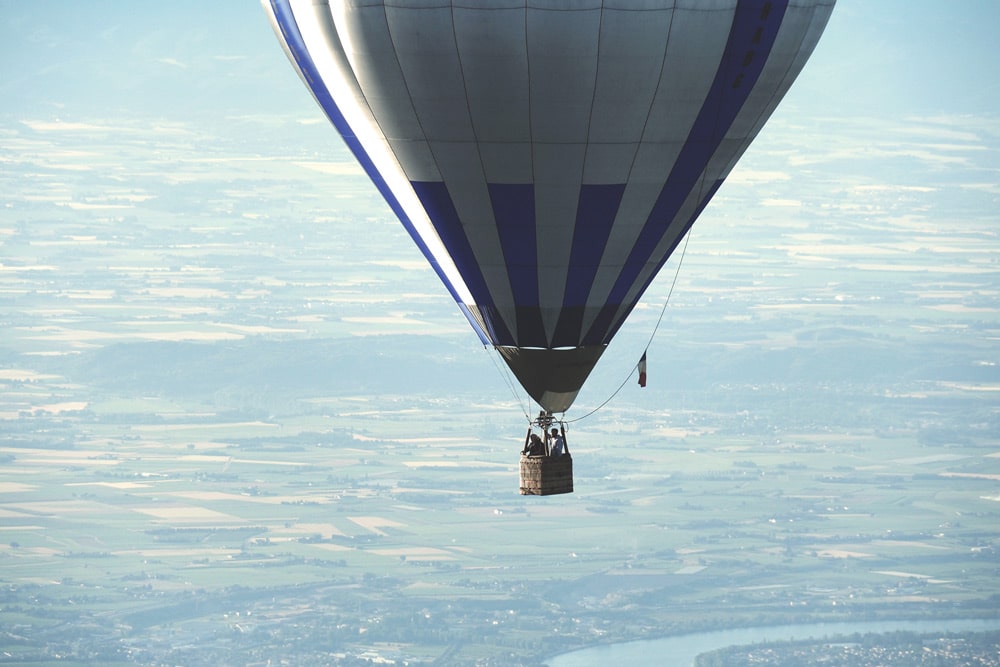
(546, 476)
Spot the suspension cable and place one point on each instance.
(673, 283)
(687, 238)
(505, 374)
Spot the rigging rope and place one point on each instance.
(687, 237)
(505, 374)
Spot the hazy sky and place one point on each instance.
(908, 56)
(900, 94)
(889, 56)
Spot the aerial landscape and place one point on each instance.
(242, 422)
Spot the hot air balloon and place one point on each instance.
(547, 156)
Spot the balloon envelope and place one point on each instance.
(548, 156)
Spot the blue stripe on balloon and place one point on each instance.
(514, 213)
(751, 38)
(610, 312)
(595, 216)
(293, 40)
(440, 209)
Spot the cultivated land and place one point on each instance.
(240, 421)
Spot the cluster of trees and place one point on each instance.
(893, 649)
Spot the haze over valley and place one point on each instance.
(241, 421)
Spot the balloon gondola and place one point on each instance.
(546, 464)
(547, 156)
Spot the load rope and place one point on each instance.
(677, 273)
(505, 374)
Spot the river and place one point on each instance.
(681, 651)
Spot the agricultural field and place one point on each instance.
(234, 428)
(139, 533)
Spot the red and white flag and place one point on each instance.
(642, 370)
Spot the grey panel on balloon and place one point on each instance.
(609, 163)
(424, 41)
(494, 60)
(558, 174)
(416, 160)
(631, 58)
(695, 46)
(463, 175)
(377, 70)
(562, 52)
(556, 205)
(507, 162)
(652, 166)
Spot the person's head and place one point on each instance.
(555, 431)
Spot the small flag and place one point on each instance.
(642, 370)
